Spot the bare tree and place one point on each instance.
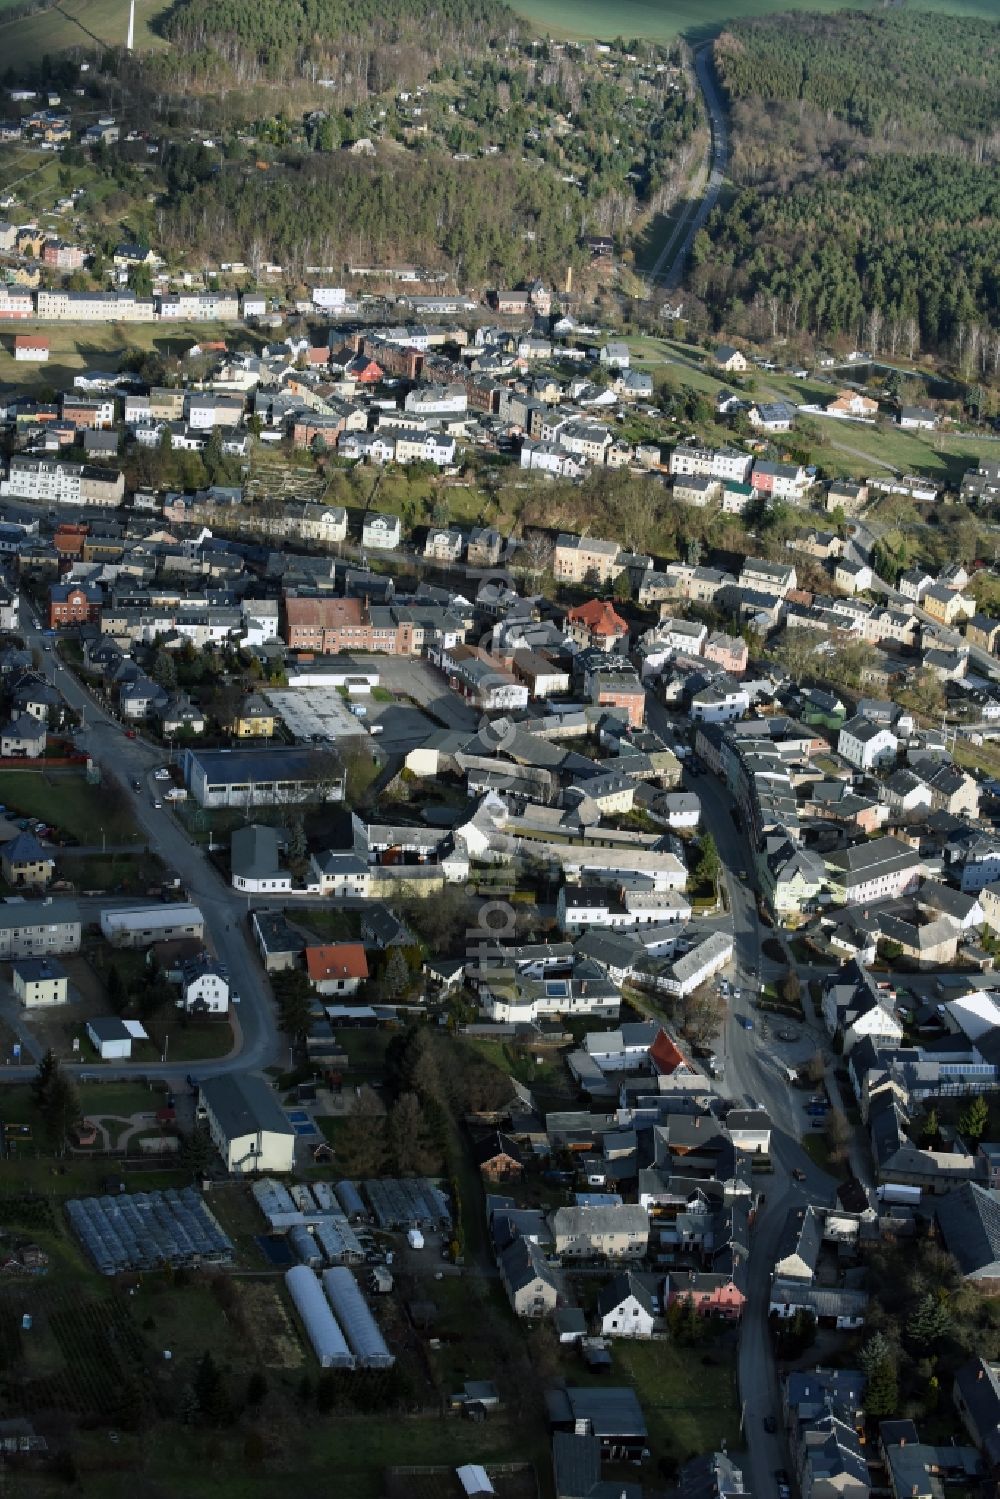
(536, 553)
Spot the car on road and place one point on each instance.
(136, 785)
(770, 1424)
(787, 1034)
(743, 874)
(798, 1174)
(162, 774)
(745, 1022)
(130, 733)
(157, 803)
(784, 1487)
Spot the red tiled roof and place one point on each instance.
(600, 618)
(665, 1055)
(341, 960)
(322, 614)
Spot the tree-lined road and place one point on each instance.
(669, 266)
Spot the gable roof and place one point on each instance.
(337, 960)
(969, 1219)
(619, 1289)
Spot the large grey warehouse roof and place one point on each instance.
(229, 767)
(243, 1105)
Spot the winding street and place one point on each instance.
(669, 265)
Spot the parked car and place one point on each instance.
(745, 1022)
(770, 1424)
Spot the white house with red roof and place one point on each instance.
(337, 968)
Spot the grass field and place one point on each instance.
(86, 24)
(79, 346)
(662, 20)
(65, 800)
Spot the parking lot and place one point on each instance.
(402, 726)
(407, 677)
(312, 714)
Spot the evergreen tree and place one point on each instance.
(210, 1392)
(975, 1118)
(165, 670)
(930, 1127)
(879, 1364)
(929, 1322)
(47, 1069)
(709, 864)
(395, 980)
(197, 1149)
(60, 1109)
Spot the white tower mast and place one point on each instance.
(131, 27)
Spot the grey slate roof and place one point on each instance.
(244, 1104)
(619, 1289)
(969, 1219)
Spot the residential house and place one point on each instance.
(947, 605)
(626, 1308)
(969, 1220)
(882, 869)
(255, 860)
(855, 1007)
(983, 632)
(528, 1280)
(730, 359)
(204, 986)
(853, 403)
(617, 1232)
(499, 1158)
(40, 981)
(976, 1394)
(866, 745)
(253, 719)
(24, 738)
(338, 968)
(23, 861)
(597, 624)
(585, 559)
(829, 1460)
(918, 418)
(381, 532)
(247, 1124)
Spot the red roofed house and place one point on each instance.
(68, 541)
(667, 1058)
(338, 968)
(365, 371)
(31, 346)
(596, 624)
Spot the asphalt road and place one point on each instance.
(668, 271)
(225, 912)
(754, 1070)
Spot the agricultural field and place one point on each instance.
(698, 20)
(78, 24)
